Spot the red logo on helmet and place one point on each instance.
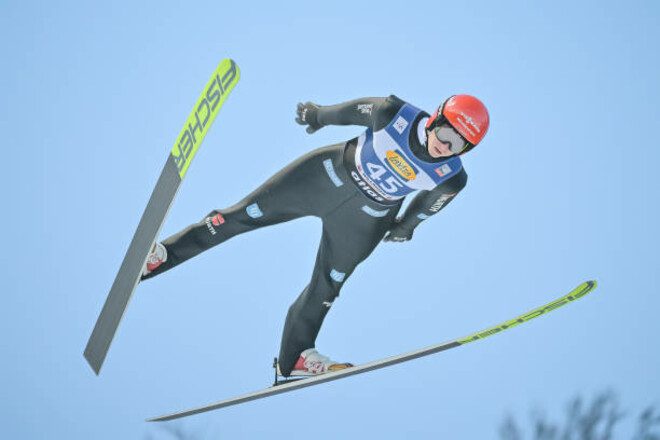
(468, 124)
(217, 220)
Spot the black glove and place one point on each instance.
(399, 233)
(307, 115)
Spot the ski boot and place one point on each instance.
(156, 257)
(310, 363)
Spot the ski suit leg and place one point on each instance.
(302, 188)
(350, 234)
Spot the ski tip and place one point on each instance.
(582, 290)
(228, 64)
(590, 284)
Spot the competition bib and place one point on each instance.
(387, 164)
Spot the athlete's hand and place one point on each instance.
(307, 115)
(399, 233)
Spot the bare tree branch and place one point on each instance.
(594, 420)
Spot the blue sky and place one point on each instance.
(563, 189)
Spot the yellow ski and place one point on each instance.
(291, 385)
(190, 138)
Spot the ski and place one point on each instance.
(290, 385)
(223, 80)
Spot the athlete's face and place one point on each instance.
(436, 147)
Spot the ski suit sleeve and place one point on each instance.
(356, 112)
(375, 113)
(424, 205)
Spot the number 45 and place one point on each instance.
(390, 184)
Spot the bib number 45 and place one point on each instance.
(389, 184)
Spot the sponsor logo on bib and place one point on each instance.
(400, 124)
(399, 164)
(443, 170)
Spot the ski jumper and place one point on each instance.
(356, 188)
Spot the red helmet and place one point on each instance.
(466, 114)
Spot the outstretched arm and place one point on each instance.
(361, 111)
(424, 205)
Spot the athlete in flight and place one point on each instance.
(356, 188)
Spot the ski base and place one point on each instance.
(190, 138)
(290, 385)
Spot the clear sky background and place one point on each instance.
(563, 189)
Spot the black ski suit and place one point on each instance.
(320, 184)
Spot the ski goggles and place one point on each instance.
(446, 133)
